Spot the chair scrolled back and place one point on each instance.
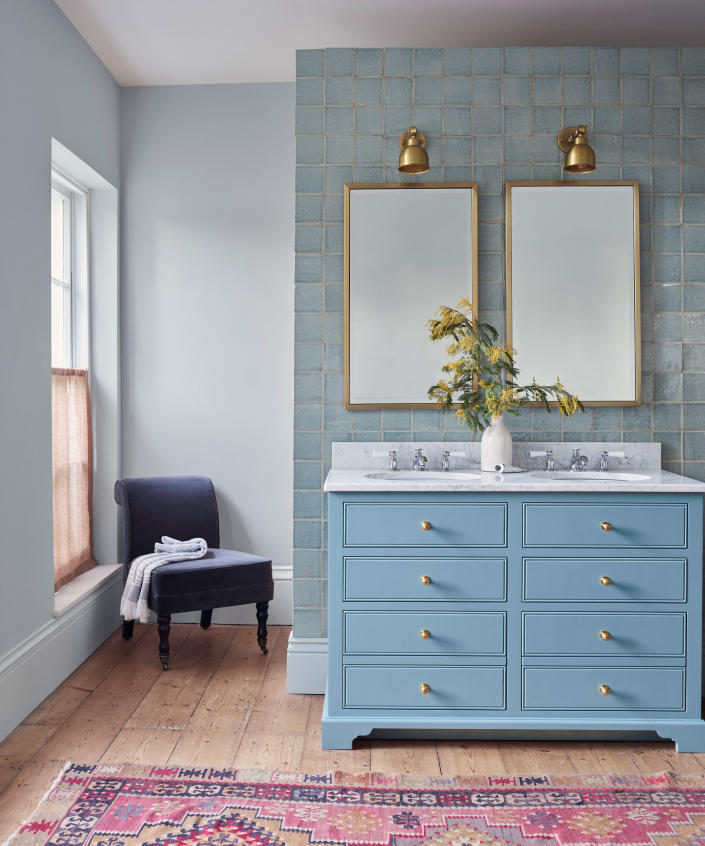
(182, 507)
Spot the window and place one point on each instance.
(72, 447)
(69, 283)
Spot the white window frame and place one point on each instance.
(78, 199)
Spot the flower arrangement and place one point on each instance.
(483, 373)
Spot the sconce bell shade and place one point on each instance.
(413, 157)
(580, 157)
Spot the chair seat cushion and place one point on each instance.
(222, 577)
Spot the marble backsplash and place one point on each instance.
(375, 454)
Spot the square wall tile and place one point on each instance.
(665, 61)
(428, 62)
(369, 62)
(517, 61)
(486, 61)
(309, 62)
(693, 61)
(458, 61)
(636, 61)
(398, 61)
(339, 61)
(576, 60)
(605, 61)
(547, 60)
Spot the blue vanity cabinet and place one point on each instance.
(523, 612)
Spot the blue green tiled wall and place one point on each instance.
(490, 115)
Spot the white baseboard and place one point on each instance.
(35, 667)
(280, 608)
(307, 664)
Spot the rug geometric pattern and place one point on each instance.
(127, 805)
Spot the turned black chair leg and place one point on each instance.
(163, 626)
(262, 614)
(128, 627)
(206, 617)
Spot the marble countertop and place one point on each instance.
(658, 481)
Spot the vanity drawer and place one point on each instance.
(400, 687)
(627, 580)
(604, 634)
(628, 688)
(660, 525)
(425, 579)
(425, 525)
(424, 633)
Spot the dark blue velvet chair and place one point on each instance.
(185, 507)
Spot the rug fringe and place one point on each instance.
(54, 783)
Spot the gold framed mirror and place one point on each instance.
(409, 248)
(573, 286)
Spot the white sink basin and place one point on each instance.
(423, 476)
(594, 476)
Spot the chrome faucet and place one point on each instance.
(578, 461)
(393, 460)
(445, 461)
(419, 461)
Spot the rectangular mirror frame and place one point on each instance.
(415, 186)
(637, 275)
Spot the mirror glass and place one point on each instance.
(573, 306)
(408, 250)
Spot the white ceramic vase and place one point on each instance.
(496, 446)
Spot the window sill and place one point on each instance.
(82, 586)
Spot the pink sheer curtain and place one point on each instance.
(72, 467)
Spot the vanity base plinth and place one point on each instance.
(340, 732)
(689, 736)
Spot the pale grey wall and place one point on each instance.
(51, 84)
(208, 297)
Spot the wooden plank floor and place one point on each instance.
(222, 704)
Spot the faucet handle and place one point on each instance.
(540, 453)
(390, 454)
(606, 453)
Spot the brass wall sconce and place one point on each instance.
(580, 157)
(413, 157)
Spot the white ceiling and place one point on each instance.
(176, 42)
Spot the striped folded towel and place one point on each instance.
(133, 605)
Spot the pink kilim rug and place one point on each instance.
(126, 805)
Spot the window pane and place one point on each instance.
(58, 222)
(61, 279)
(60, 326)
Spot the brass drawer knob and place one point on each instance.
(424, 634)
(424, 688)
(605, 526)
(425, 580)
(606, 581)
(425, 525)
(605, 635)
(604, 690)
